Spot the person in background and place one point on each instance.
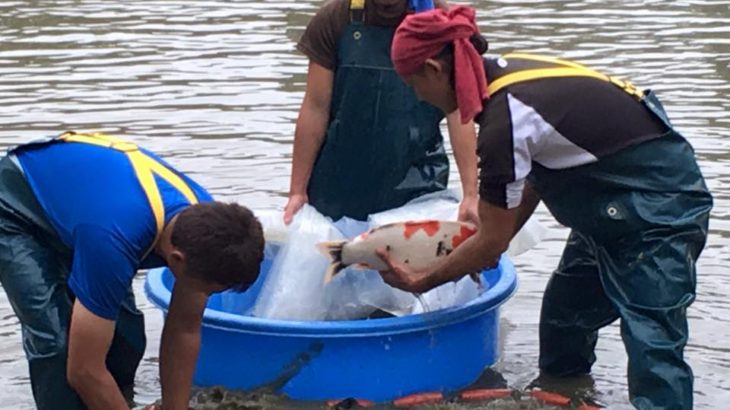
(79, 215)
(363, 142)
(605, 159)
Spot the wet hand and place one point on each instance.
(296, 202)
(469, 210)
(401, 276)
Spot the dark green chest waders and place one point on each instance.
(34, 269)
(383, 147)
(639, 221)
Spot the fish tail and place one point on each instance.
(332, 249)
(422, 301)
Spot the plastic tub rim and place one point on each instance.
(497, 294)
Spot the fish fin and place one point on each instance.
(333, 269)
(422, 301)
(332, 249)
(476, 278)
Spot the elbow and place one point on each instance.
(500, 244)
(492, 250)
(495, 251)
(80, 378)
(502, 248)
(492, 256)
(317, 104)
(312, 120)
(320, 112)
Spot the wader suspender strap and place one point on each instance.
(357, 11)
(568, 69)
(145, 167)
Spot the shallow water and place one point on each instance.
(214, 86)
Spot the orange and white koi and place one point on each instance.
(416, 243)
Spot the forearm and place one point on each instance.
(98, 390)
(178, 357)
(308, 138)
(180, 342)
(88, 345)
(482, 250)
(472, 256)
(463, 143)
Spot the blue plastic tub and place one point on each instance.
(374, 359)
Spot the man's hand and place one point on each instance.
(296, 202)
(469, 210)
(401, 276)
(478, 252)
(89, 339)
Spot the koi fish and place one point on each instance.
(416, 243)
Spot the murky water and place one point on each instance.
(214, 86)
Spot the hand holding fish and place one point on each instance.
(406, 253)
(401, 276)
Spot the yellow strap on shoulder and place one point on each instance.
(145, 168)
(147, 179)
(172, 178)
(568, 69)
(544, 59)
(538, 73)
(99, 139)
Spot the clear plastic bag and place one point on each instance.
(356, 294)
(441, 205)
(530, 235)
(448, 295)
(294, 286)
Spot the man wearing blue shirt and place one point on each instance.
(79, 215)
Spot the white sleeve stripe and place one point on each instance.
(535, 139)
(514, 193)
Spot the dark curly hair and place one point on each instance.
(222, 243)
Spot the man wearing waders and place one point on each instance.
(79, 214)
(606, 161)
(363, 142)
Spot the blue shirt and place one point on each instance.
(94, 201)
(421, 5)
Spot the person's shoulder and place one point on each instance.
(319, 41)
